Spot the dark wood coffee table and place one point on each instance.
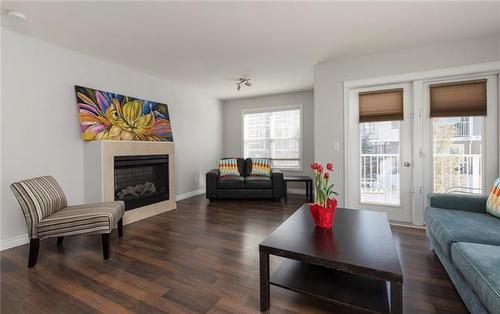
(355, 264)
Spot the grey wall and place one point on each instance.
(40, 129)
(329, 77)
(233, 124)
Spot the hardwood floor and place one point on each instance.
(200, 258)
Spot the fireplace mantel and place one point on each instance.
(99, 173)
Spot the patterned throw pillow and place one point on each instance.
(228, 167)
(261, 167)
(493, 202)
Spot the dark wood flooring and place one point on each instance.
(200, 258)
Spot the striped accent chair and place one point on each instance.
(48, 215)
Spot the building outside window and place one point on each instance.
(274, 134)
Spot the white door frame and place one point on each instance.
(401, 212)
(417, 78)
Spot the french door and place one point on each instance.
(394, 164)
(379, 156)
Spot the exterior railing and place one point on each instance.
(462, 129)
(379, 172)
(452, 170)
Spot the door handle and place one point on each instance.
(407, 164)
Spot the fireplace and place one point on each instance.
(141, 180)
(106, 174)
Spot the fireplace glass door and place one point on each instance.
(141, 180)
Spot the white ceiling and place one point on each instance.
(206, 45)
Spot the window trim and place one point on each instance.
(300, 168)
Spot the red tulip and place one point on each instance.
(320, 168)
(326, 175)
(314, 166)
(329, 166)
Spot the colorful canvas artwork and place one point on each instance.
(109, 116)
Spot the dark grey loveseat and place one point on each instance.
(244, 186)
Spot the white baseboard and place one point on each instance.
(406, 225)
(183, 196)
(23, 239)
(296, 191)
(13, 242)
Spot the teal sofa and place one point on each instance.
(466, 240)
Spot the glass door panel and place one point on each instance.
(457, 154)
(380, 163)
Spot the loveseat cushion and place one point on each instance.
(479, 265)
(449, 226)
(228, 167)
(493, 202)
(258, 182)
(260, 167)
(231, 182)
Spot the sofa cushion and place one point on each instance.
(261, 167)
(258, 182)
(479, 264)
(228, 167)
(493, 202)
(449, 226)
(241, 165)
(231, 182)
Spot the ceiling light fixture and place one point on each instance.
(243, 81)
(16, 14)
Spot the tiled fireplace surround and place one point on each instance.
(99, 173)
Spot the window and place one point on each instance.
(274, 134)
(380, 115)
(457, 111)
(457, 154)
(379, 163)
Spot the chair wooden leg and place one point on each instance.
(105, 246)
(120, 228)
(34, 248)
(60, 241)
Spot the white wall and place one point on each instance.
(233, 124)
(329, 77)
(40, 126)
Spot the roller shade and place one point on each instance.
(382, 105)
(458, 99)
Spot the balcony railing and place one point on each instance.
(379, 172)
(457, 170)
(462, 129)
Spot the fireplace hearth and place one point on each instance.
(141, 180)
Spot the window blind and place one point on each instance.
(458, 99)
(382, 105)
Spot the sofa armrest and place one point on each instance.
(211, 183)
(278, 183)
(466, 202)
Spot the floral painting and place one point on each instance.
(109, 116)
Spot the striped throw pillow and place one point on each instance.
(261, 167)
(228, 167)
(493, 202)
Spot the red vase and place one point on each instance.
(323, 216)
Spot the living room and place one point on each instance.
(250, 156)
